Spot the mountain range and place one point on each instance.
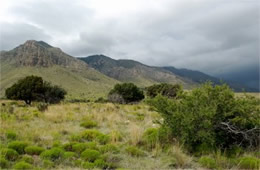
(89, 77)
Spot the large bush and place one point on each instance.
(168, 90)
(211, 117)
(125, 93)
(33, 88)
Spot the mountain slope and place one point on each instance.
(39, 58)
(133, 71)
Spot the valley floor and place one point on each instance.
(119, 128)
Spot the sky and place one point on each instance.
(213, 36)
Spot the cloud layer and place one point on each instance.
(214, 36)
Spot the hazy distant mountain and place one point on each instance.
(200, 77)
(133, 71)
(40, 58)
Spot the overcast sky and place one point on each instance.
(213, 36)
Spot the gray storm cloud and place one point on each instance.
(212, 36)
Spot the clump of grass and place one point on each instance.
(115, 136)
(134, 151)
(11, 135)
(207, 162)
(19, 146)
(69, 155)
(9, 154)
(88, 165)
(79, 147)
(181, 159)
(249, 162)
(135, 134)
(22, 165)
(34, 150)
(88, 124)
(4, 163)
(95, 135)
(150, 138)
(90, 155)
(28, 159)
(109, 148)
(53, 154)
(100, 163)
(48, 164)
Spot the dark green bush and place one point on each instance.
(90, 155)
(53, 154)
(9, 154)
(164, 89)
(207, 162)
(28, 159)
(109, 148)
(23, 165)
(249, 163)
(10, 135)
(134, 151)
(202, 118)
(125, 93)
(33, 88)
(4, 163)
(34, 150)
(88, 165)
(88, 124)
(19, 146)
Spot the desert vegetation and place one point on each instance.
(206, 128)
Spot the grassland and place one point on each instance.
(122, 128)
(85, 84)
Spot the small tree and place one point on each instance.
(168, 90)
(28, 89)
(33, 88)
(125, 93)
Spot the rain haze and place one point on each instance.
(218, 37)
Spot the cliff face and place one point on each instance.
(39, 53)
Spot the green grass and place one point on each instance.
(55, 139)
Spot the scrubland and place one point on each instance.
(97, 135)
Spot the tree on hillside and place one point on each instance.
(125, 93)
(33, 88)
(164, 89)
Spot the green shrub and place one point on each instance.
(33, 150)
(9, 154)
(88, 165)
(100, 163)
(134, 151)
(207, 162)
(76, 138)
(4, 163)
(10, 135)
(79, 147)
(69, 155)
(249, 163)
(150, 137)
(103, 139)
(90, 134)
(128, 93)
(48, 164)
(95, 135)
(22, 165)
(164, 89)
(19, 146)
(90, 155)
(88, 124)
(109, 148)
(68, 146)
(28, 159)
(53, 154)
(200, 119)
